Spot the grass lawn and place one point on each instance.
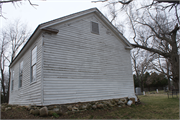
(154, 106)
(157, 106)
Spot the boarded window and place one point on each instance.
(20, 73)
(33, 64)
(94, 28)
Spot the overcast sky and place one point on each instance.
(45, 11)
(51, 9)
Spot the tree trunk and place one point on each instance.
(168, 75)
(174, 60)
(139, 81)
(169, 83)
(175, 70)
(3, 86)
(9, 85)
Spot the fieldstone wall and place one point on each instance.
(76, 107)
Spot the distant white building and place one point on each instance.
(77, 58)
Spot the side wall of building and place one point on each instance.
(81, 66)
(29, 93)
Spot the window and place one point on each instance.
(94, 28)
(33, 64)
(12, 80)
(20, 73)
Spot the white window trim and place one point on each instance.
(20, 73)
(12, 80)
(31, 82)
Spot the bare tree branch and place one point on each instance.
(168, 1)
(176, 28)
(166, 55)
(129, 1)
(8, 1)
(177, 15)
(124, 3)
(99, 1)
(13, 2)
(132, 25)
(32, 3)
(157, 35)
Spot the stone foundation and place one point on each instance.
(75, 107)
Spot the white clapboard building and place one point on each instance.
(77, 58)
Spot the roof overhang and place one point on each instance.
(50, 30)
(31, 39)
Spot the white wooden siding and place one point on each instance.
(29, 93)
(80, 66)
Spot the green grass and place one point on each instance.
(154, 106)
(55, 115)
(158, 106)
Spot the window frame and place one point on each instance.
(33, 65)
(12, 80)
(95, 32)
(21, 64)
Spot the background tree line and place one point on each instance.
(151, 80)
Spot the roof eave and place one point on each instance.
(64, 19)
(119, 34)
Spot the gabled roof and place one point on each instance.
(82, 13)
(46, 27)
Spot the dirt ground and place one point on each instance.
(22, 113)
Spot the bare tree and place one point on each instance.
(112, 16)
(142, 61)
(126, 2)
(16, 34)
(161, 31)
(134, 56)
(14, 2)
(3, 59)
(156, 27)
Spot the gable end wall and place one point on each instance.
(80, 66)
